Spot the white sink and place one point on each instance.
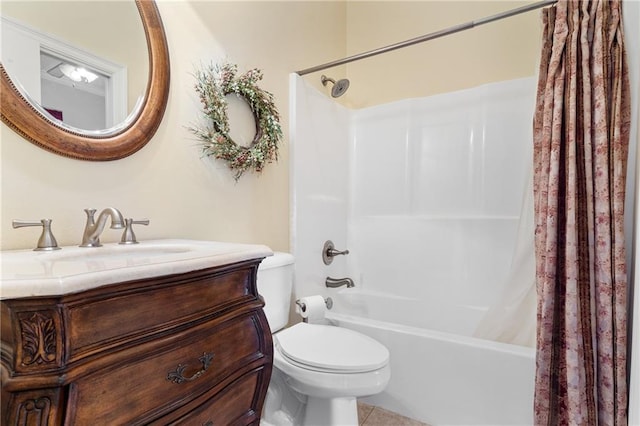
(28, 273)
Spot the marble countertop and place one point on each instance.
(28, 273)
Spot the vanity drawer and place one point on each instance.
(137, 309)
(234, 405)
(166, 375)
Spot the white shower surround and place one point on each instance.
(321, 182)
(426, 194)
(436, 187)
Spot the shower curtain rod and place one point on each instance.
(430, 36)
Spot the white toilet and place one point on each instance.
(318, 370)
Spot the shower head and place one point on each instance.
(339, 87)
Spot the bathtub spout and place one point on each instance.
(339, 282)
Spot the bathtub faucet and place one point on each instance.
(339, 282)
(93, 228)
(329, 252)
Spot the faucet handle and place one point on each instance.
(47, 241)
(329, 252)
(128, 237)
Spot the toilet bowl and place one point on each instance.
(318, 370)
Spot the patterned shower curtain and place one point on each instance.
(581, 136)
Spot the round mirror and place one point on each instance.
(129, 87)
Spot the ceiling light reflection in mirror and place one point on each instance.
(104, 37)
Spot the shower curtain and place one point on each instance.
(581, 136)
(513, 318)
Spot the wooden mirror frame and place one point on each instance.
(18, 113)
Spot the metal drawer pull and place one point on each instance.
(177, 377)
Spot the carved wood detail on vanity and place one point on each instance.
(34, 408)
(191, 348)
(39, 338)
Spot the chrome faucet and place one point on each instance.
(93, 228)
(338, 282)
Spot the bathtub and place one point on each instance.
(439, 374)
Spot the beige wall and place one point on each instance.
(501, 50)
(184, 195)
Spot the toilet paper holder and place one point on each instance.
(328, 302)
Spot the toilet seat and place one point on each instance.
(330, 349)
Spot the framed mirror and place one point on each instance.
(34, 123)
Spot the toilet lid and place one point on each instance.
(329, 348)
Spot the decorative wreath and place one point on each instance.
(213, 84)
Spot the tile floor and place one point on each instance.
(375, 416)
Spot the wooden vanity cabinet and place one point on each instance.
(185, 349)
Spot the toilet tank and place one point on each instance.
(275, 281)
